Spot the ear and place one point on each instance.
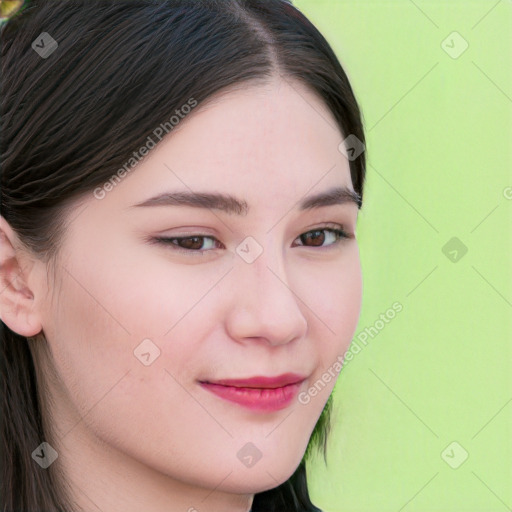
(17, 301)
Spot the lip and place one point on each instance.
(278, 381)
(258, 393)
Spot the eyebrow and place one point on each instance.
(234, 206)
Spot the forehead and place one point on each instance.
(279, 122)
(263, 143)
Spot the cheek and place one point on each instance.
(100, 318)
(333, 296)
(90, 346)
(335, 302)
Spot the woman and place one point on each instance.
(179, 270)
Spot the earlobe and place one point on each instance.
(17, 305)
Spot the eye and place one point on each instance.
(189, 244)
(317, 236)
(194, 244)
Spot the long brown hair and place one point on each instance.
(70, 120)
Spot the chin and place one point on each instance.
(258, 479)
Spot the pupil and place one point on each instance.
(189, 242)
(319, 239)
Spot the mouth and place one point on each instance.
(258, 393)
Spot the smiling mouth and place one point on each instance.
(264, 394)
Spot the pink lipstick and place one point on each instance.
(258, 393)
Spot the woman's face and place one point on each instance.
(136, 325)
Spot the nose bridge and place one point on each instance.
(264, 265)
(264, 305)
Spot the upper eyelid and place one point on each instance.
(198, 233)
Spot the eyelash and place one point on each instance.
(168, 241)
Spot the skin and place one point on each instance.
(133, 437)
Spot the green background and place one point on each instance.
(439, 151)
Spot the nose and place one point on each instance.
(263, 303)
